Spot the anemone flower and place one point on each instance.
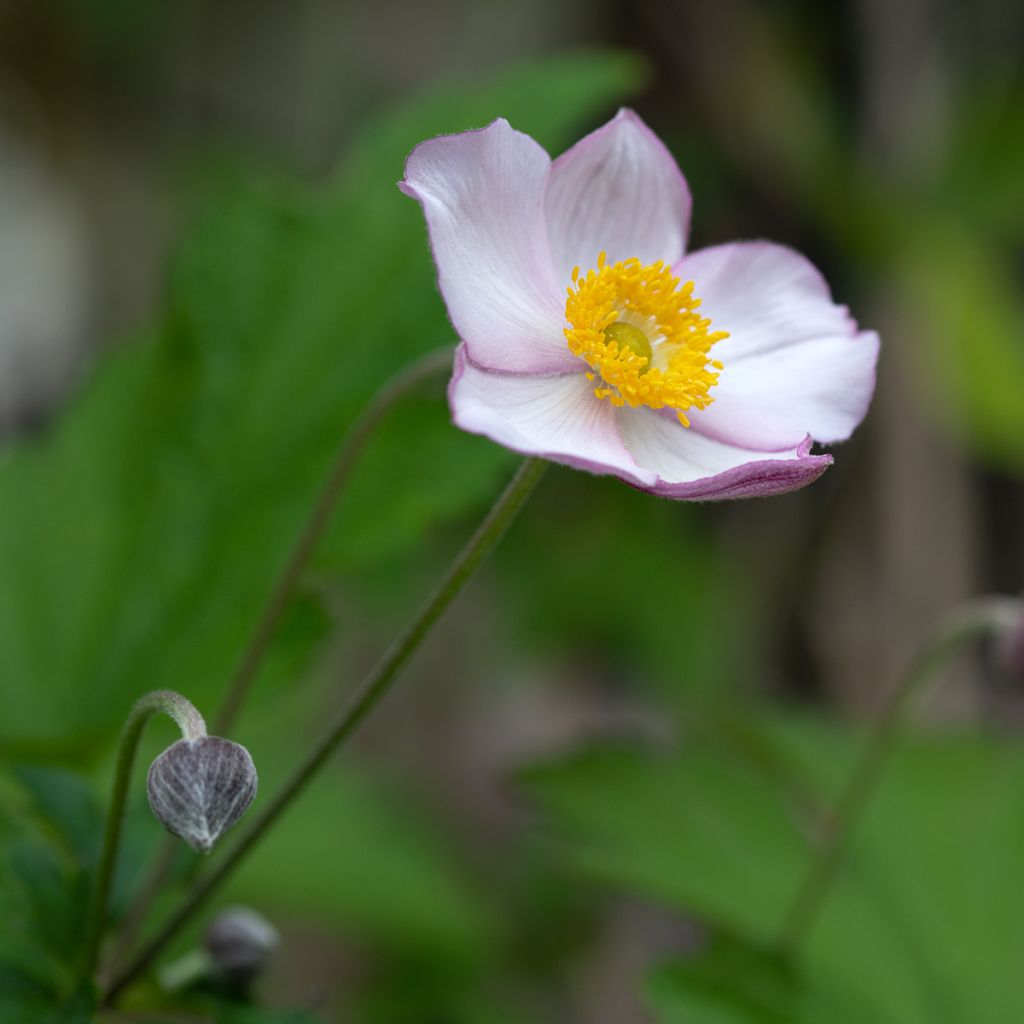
(590, 337)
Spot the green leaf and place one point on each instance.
(728, 983)
(986, 160)
(922, 923)
(731, 981)
(23, 997)
(367, 862)
(927, 907)
(68, 807)
(699, 831)
(442, 474)
(671, 634)
(50, 834)
(140, 537)
(972, 355)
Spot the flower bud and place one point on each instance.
(239, 943)
(199, 788)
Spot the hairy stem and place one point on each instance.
(192, 727)
(320, 515)
(362, 702)
(252, 657)
(966, 624)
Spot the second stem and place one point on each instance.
(970, 622)
(366, 697)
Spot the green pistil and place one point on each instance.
(628, 336)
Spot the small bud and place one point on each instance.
(239, 943)
(199, 788)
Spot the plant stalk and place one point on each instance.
(252, 657)
(367, 695)
(972, 621)
(345, 459)
(192, 727)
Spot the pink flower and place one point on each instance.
(590, 337)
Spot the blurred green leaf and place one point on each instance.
(23, 997)
(728, 983)
(442, 474)
(924, 920)
(372, 865)
(973, 345)
(644, 588)
(699, 831)
(49, 832)
(986, 159)
(67, 806)
(140, 536)
(731, 981)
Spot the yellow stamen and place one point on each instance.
(638, 329)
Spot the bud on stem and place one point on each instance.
(242, 784)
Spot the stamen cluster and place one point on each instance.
(677, 376)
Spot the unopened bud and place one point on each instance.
(199, 788)
(239, 943)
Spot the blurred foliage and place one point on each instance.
(645, 589)
(974, 316)
(140, 534)
(49, 832)
(923, 923)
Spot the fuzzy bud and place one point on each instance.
(199, 788)
(239, 943)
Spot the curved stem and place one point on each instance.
(348, 452)
(256, 649)
(192, 727)
(968, 623)
(366, 697)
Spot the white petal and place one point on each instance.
(557, 417)
(483, 198)
(618, 190)
(794, 362)
(698, 468)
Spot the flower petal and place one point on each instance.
(618, 190)
(483, 197)
(693, 467)
(557, 417)
(795, 362)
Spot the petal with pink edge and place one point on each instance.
(483, 197)
(618, 190)
(693, 467)
(555, 417)
(794, 362)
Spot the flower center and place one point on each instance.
(639, 330)
(627, 336)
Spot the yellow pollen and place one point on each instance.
(639, 330)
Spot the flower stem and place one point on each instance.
(348, 452)
(252, 657)
(365, 698)
(192, 727)
(970, 622)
